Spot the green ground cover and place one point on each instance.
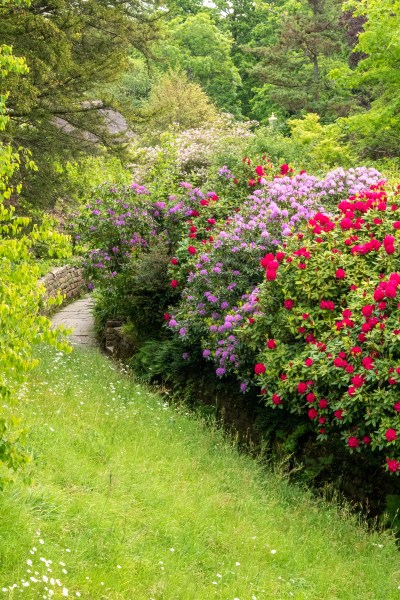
(132, 499)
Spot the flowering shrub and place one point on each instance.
(328, 327)
(193, 150)
(220, 293)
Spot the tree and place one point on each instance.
(375, 127)
(198, 47)
(22, 327)
(294, 67)
(178, 103)
(70, 48)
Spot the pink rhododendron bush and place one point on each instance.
(328, 325)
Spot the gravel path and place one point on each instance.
(79, 317)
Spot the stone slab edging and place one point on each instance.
(68, 280)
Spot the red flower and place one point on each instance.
(174, 283)
(340, 274)
(367, 310)
(252, 182)
(353, 442)
(367, 440)
(327, 304)
(192, 250)
(323, 403)
(271, 344)
(396, 224)
(283, 376)
(167, 316)
(302, 265)
(390, 435)
(276, 399)
(270, 274)
(396, 406)
(310, 397)
(259, 170)
(284, 169)
(259, 369)
(302, 388)
(357, 381)
(338, 414)
(308, 362)
(174, 261)
(312, 413)
(393, 465)
(339, 362)
(368, 363)
(280, 256)
(356, 350)
(288, 304)
(349, 369)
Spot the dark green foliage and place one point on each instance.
(139, 296)
(70, 48)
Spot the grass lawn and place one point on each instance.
(132, 499)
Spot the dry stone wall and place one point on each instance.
(68, 280)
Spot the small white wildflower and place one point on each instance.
(273, 551)
(219, 575)
(119, 567)
(67, 550)
(65, 592)
(77, 594)
(172, 549)
(237, 564)
(29, 562)
(26, 584)
(64, 571)
(41, 542)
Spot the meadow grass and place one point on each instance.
(132, 499)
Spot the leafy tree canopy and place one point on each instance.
(203, 51)
(69, 48)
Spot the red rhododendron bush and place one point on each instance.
(329, 321)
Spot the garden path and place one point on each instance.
(79, 317)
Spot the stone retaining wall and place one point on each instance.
(68, 280)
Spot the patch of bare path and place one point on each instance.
(79, 317)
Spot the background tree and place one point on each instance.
(198, 47)
(70, 49)
(375, 127)
(176, 103)
(294, 63)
